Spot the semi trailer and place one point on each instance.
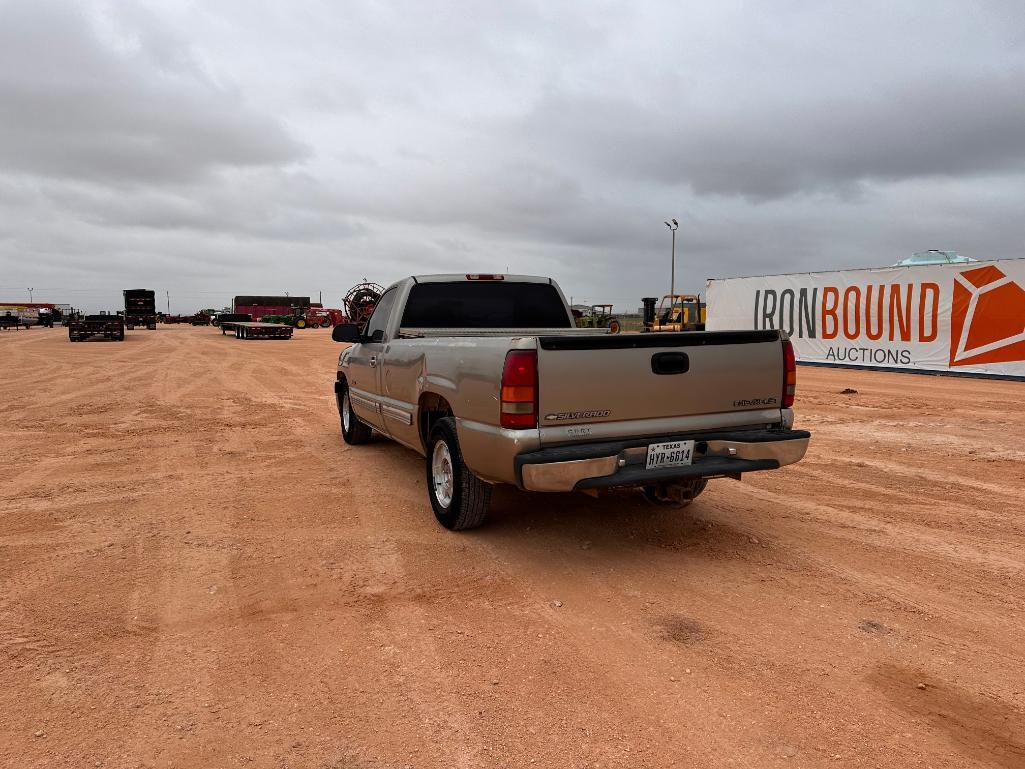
(140, 308)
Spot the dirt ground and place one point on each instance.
(196, 572)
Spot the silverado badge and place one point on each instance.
(562, 416)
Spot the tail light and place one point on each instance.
(519, 390)
(790, 374)
(482, 276)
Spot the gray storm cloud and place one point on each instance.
(213, 149)
(73, 107)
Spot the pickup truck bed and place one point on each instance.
(548, 407)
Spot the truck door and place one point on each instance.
(364, 371)
(399, 388)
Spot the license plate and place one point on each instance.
(672, 454)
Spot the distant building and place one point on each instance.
(933, 256)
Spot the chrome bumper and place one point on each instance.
(576, 467)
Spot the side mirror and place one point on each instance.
(346, 332)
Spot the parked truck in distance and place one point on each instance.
(487, 377)
(140, 308)
(105, 326)
(227, 318)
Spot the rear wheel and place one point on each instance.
(301, 323)
(326, 323)
(354, 432)
(674, 495)
(459, 498)
(614, 327)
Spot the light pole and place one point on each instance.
(672, 272)
(168, 293)
(30, 295)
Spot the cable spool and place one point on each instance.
(361, 300)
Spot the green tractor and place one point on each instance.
(600, 316)
(284, 320)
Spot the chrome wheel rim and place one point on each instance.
(441, 474)
(346, 411)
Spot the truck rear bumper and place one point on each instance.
(622, 463)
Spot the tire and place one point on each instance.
(459, 498)
(131, 328)
(326, 323)
(614, 327)
(656, 494)
(354, 432)
(301, 323)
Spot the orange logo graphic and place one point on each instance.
(987, 322)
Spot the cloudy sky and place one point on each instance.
(208, 149)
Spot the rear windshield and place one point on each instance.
(484, 304)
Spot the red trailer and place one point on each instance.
(261, 306)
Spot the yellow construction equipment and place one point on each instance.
(676, 312)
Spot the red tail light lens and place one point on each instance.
(519, 390)
(790, 374)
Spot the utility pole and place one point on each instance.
(30, 295)
(672, 270)
(168, 302)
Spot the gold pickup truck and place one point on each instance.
(487, 378)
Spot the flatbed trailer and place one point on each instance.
(106, 326)
(253, 330)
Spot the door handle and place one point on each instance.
(670, 363)
(373, 361)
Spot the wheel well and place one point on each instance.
(432, 407)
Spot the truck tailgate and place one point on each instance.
(605, 386)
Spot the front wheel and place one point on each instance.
(301, 323)
(354, 432)
(614, 327)
(459, 498)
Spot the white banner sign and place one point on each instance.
(947, 317)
